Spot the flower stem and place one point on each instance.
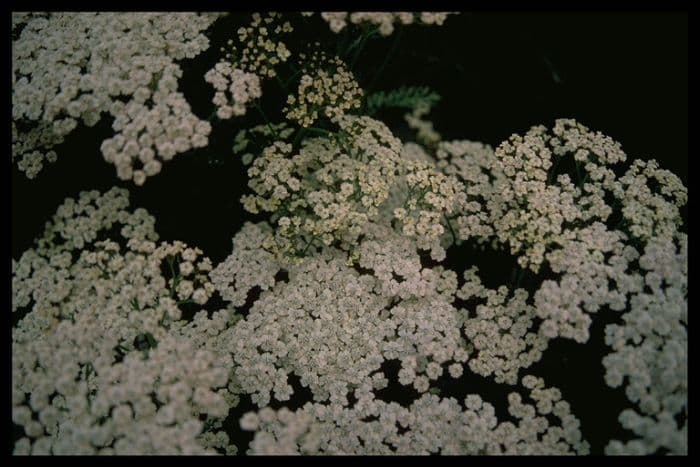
(303, 253)
(392, 50)
(452, 231)
(267, 122)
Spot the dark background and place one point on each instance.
(625, 74)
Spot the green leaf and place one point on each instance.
(405, 97)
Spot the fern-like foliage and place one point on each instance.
(405, 97)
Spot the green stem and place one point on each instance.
(255, 141)
(452, 231)
(318, 130)
(521, 274)
(175, 277)
(513, 273)
(553, 170)
(303, 253)
(267, 122)
(298, 137)
(292, 68)
(340, 46)
(389, 55)
(585, 179)
(408, 196)
(578, 173)
(354, 44)
(294, 75)
(281, 83)
(363, 41)
(170, 265)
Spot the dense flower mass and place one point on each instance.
(347, 287)
(650, 349)
(329, 90)
(70, 68)
(330, 189)
(429, 426)
(101, 335)
(237, 78)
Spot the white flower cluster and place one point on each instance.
(78, 223)
(63, 275)
(99, 362)
(500, 332)
(651, 198)
(243, 88)
(595, 264)
(329, 89)
(473, 164)
(71, 67)
(189, 281)
(399, 192)
(247, 266)
(332, 326)
(425, 131)
(57, 288)
(528, 209)
(72, 397)
(429, 426)
(529, 214)
(152, 124)
(514, 197)
(262, 51)
(650, 351)
(323, 325)
(394, 261)
(431, 197)
(338, 20)
(31, 161)
(593, 268)
(564, 227)
(237, 78)
(330, 189)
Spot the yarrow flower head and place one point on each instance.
(330, 189)
(327, 89)
(237, 78)
(430, 425)
(101, 360)
(260, 50)
(130, 74)
(650, 352)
